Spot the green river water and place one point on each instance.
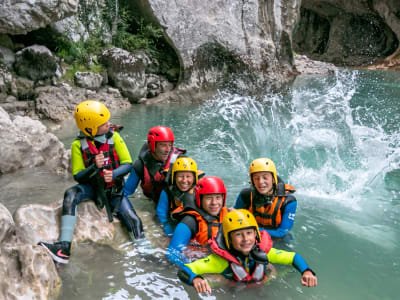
(335, 138)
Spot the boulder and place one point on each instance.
(27, 271)
(21, 17)
(126, 71)
(58, 103)
(88, 80)
(36, 63)
(26, 143)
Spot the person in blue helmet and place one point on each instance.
(100, 159)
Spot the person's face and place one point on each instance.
(104, 128)
(263, 182)
(162, 150)
(243, 240)
(184, 180)
(212, 203)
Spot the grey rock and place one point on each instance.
(58, 103)
(7, 57)
(21, 17)
(26, 143)
(36, 63)
(88, 80)
(126, 71)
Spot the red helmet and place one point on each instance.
(159, 134)
(209, 185)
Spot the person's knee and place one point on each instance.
(70, 200)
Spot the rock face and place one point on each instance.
(348, 32)
(216, 39)
(27, 270)
(26, 143)
(58, 103)
(20, 17)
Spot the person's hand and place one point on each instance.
(108, 175)
(309, 279)
(99, 158)
(201, 285)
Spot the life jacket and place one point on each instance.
(153, 182)
(269, 215)
(207, 225)
(89, 151)
(177, 198)
(240, 273)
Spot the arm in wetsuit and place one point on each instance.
(162, 213)
(183, 233)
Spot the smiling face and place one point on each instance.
(184, 180)
(162, 150)
(263, 182)
(212, 203)
(243, 240)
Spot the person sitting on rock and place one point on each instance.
(179, 192)
(100, 159)
(153, 164)
(198, 222)
(242, 253)
(268, 198)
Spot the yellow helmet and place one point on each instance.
(89, 115)
(262, 165)
(184, 164)
(238, 219)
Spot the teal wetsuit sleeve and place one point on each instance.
(239, 202)
(179, 241)
(131, 183)
(287, 221)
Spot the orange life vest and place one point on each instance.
(207, 225)
(270, 215)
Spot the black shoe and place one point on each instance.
(59, 251)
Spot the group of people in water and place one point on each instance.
(190, 206)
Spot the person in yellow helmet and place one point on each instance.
(242, 253)
(268, 198)
(100, 159)
(179, 192)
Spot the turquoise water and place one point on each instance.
(335, 138)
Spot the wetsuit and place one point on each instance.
(185, 231)
(152, 174)
(88, 176)
(287, 210)
(170, 199)
(216, 264)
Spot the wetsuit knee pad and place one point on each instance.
(70, 200)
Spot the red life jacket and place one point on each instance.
(152, 184)
(239, 271)
(270, 215)
(111, 159)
